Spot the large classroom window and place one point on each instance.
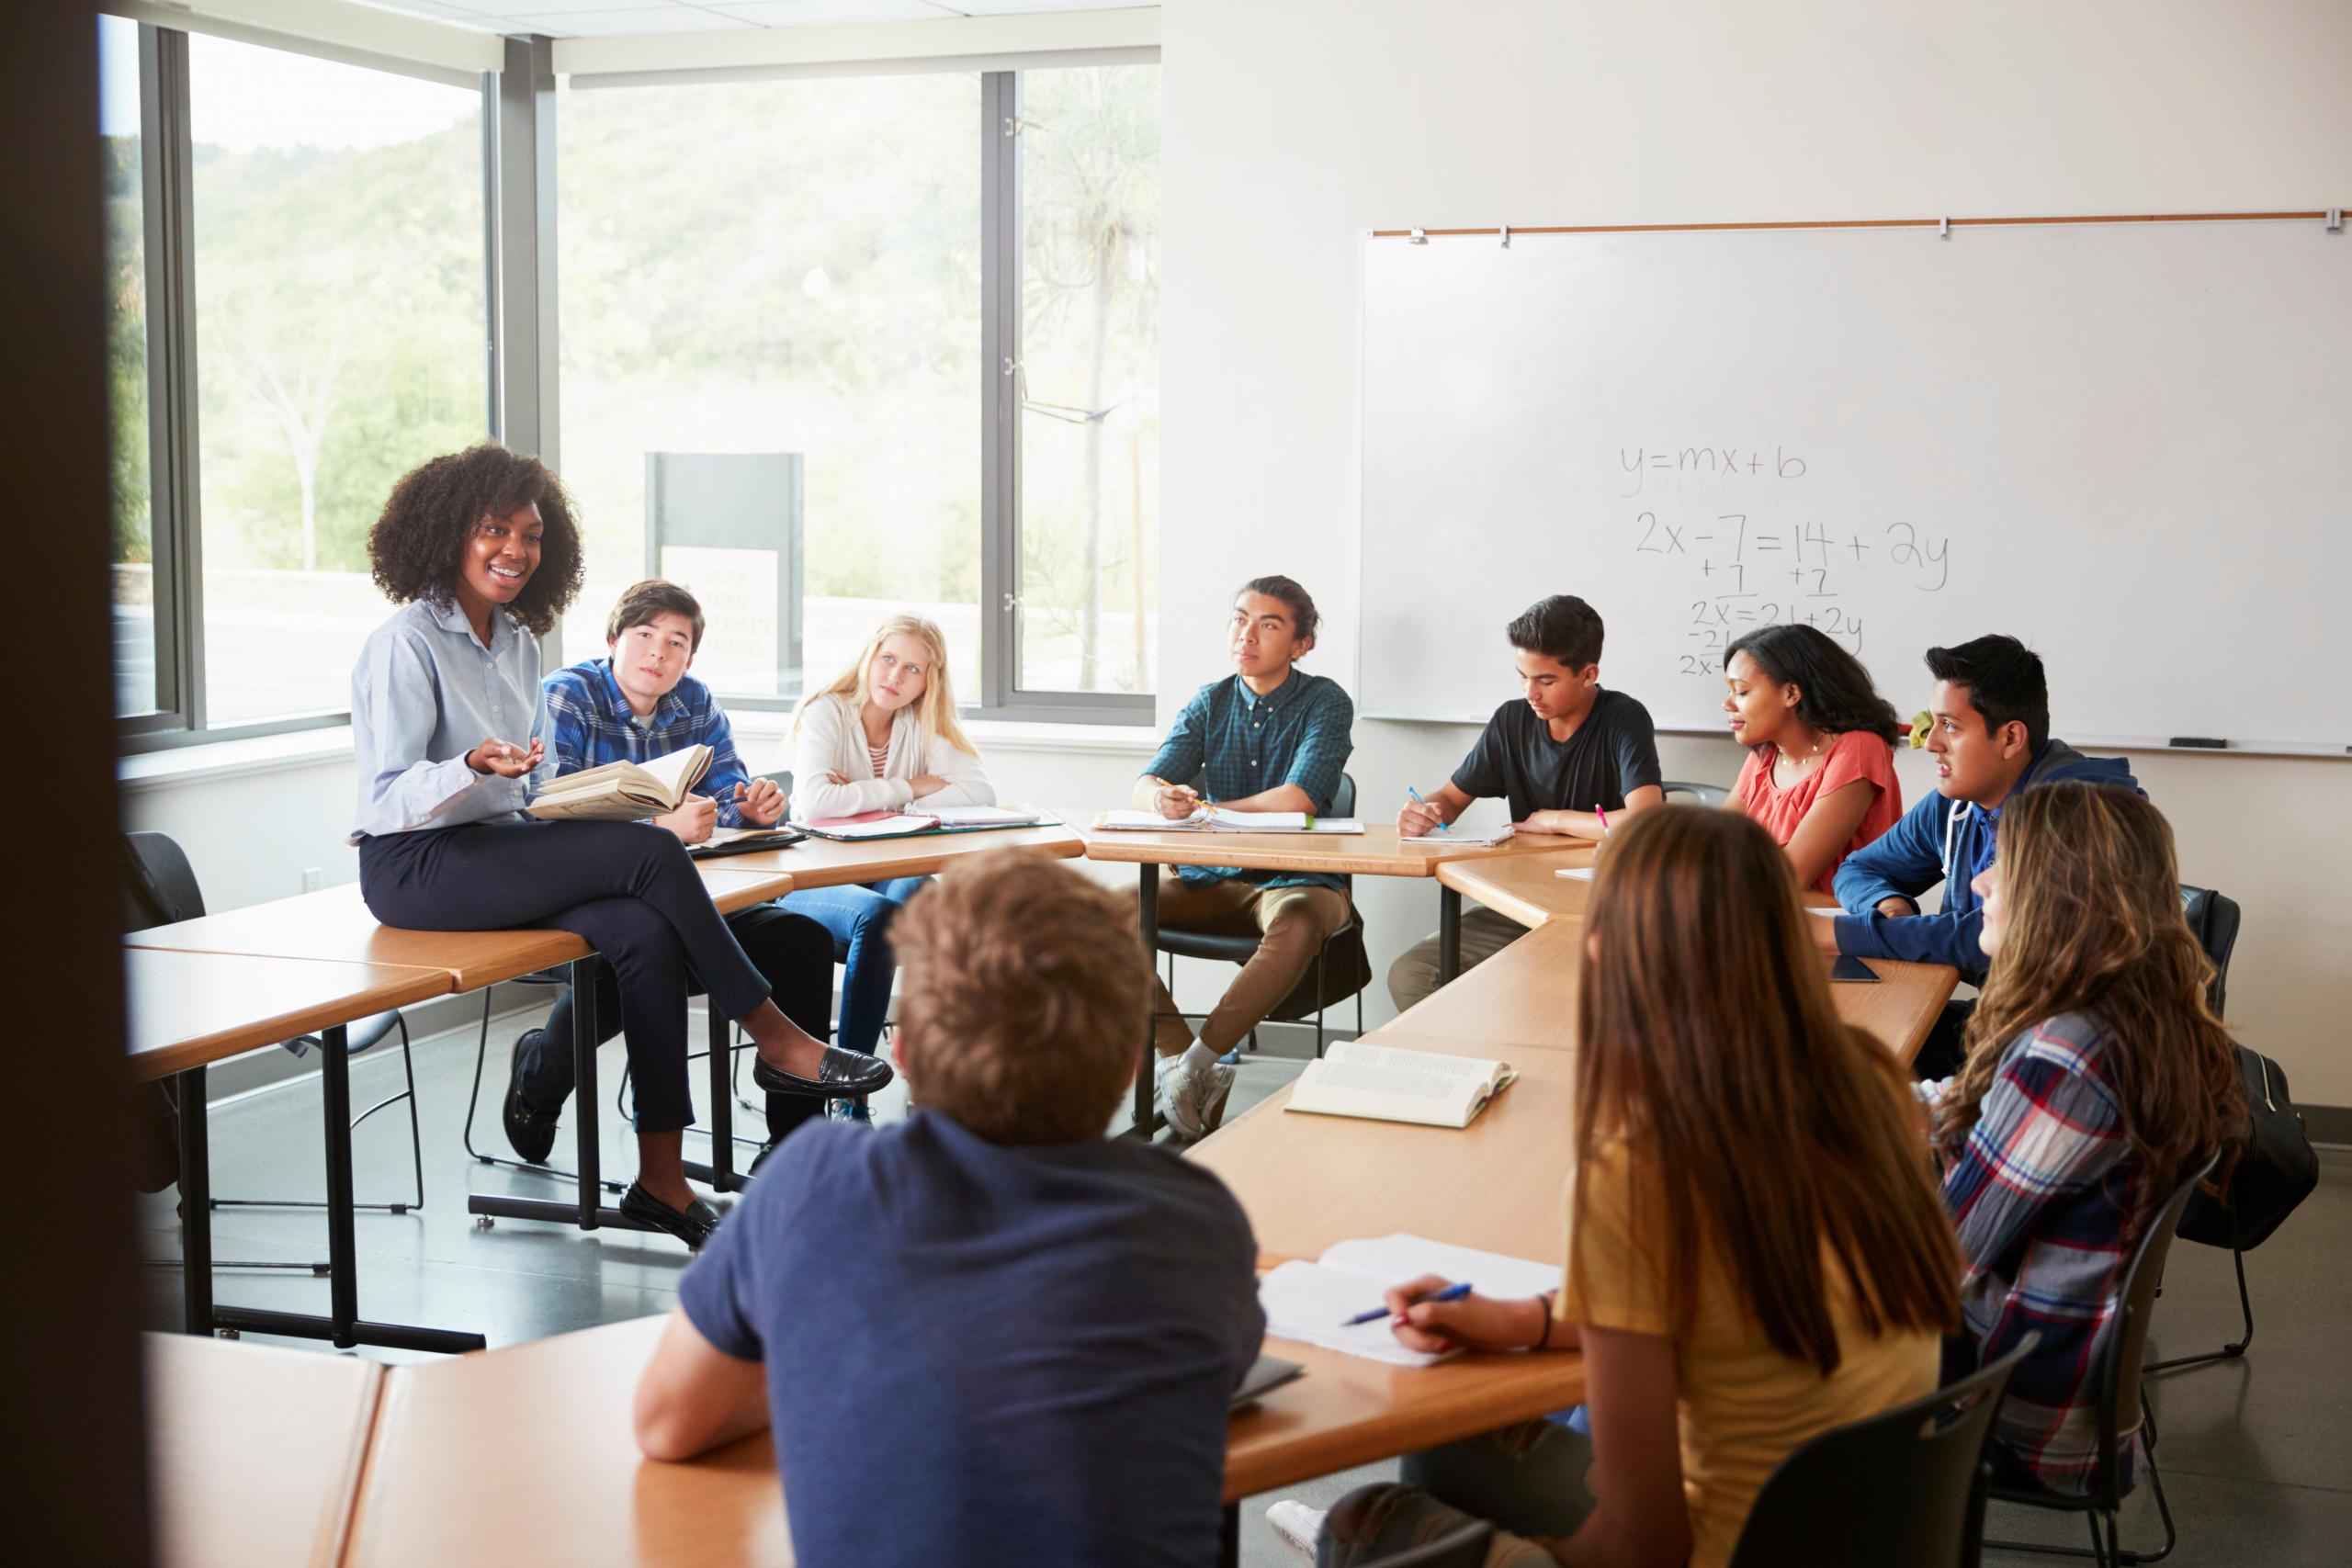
(837, 348)
(299, 314)
(1089, 377)
(770, 358)
(340, 316)
(827, 348)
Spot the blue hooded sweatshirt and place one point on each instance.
(1948, 841)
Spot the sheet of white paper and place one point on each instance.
(1390, 1259)
(1579, 872)
(1311, 1304)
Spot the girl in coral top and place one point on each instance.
(1820, 770)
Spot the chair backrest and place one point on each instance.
(159, 881)
(1705, 795)
(1906, 1486)
(2119, 1375)
(2214, 918)
(1464, 1548)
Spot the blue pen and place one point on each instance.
(1451, 1293)
(1441, 828)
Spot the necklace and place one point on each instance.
(1799, 766)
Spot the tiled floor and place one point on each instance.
(2255, 1459)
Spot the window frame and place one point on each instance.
(176, 533)
(518, 106)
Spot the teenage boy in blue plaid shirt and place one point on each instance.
(634, 705)
(1268, 738)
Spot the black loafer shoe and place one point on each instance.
(530, 1129)
(692, 1225)
(843, 1075)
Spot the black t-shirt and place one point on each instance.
(1613, 753)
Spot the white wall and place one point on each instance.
(250, 834)
(1291, 125)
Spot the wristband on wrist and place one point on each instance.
(1543, 1332)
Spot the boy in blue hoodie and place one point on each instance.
(1991, 738)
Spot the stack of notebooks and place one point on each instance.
(1224, 819)
(906, 824)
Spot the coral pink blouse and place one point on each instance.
(1856, 754)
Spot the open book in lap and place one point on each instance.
(1312, 1301)
(1388, 1083)
(625, 792)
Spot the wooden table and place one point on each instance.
(255, 1452)
(1500, 1183)
(527, 1454)
(825, 862)
(335, 925)
(1378, 851)
(188, 1009)
(1527, 888)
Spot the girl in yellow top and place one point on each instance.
(1756, 1252)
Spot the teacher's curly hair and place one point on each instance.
(415, 548)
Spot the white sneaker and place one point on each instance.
(1297, 1525)
(1193, 1102)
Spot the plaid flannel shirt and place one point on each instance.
(1239, 744)
(2048, 1203)
(589, 724)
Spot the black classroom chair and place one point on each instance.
(2117, 1376)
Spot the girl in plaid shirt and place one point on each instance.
(2095, 1076)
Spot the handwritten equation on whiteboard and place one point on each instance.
(1765, 558)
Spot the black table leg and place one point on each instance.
(1449, 935)
(1229, 1538)
(343, 1245)
(342, 1326)
(720, 1172)
(1148, 907)
(195, 1204)
(586, 1212)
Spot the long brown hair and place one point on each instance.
(2095, 925)
(1764, 1125)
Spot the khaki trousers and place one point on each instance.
(1290, 923)
(1483, 933)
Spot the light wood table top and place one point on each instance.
(190, 1008)
(1376, 852)
(335, 923)
(1498, 1184)
(1527, 888)
(1347, 1411)
(823, 863)
(256, 1451)
(526, 1455)
(1524, 996)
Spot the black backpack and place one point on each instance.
(2275, 1170)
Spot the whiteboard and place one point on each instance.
(2130, 444)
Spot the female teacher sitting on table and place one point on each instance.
(1820, 769)
(1755, 1249)
(480, 551)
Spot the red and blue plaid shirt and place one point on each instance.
(2047, 1204)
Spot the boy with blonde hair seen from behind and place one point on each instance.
(1039, 1325)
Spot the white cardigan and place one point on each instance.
(829, 739)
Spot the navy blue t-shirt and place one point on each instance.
(978, 1353)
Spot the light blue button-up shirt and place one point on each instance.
(424, 692)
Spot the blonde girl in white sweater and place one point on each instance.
(882, 737)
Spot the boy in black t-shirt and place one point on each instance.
(1567, 752)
